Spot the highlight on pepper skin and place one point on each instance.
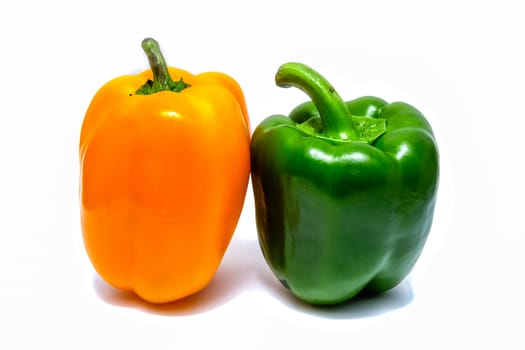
(344, 191)
(164, 168)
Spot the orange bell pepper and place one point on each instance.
(164, 168)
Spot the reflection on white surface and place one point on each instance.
(244, 275)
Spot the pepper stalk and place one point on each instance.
(332, 109)
(162, 80)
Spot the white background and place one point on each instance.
(460, 62)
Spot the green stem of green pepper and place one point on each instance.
(337, 123)
(161, 77)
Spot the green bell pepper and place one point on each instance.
(344, 191)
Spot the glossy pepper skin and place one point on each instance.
(163, 178)
(344, 191)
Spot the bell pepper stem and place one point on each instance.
(161, 77)
(335, 118)
(162, 80)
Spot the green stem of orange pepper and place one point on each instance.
(162, 80)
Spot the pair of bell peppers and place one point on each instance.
(344, 191)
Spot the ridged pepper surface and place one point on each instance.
(344, 191)
(164, 167)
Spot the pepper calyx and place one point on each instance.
(162, 80)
